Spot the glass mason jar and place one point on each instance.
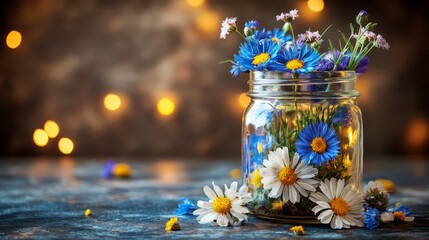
(314, 115)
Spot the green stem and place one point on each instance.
(296, 108)
(293, 34)
(239, 33)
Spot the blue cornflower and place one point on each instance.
(299, 60)
(253, 24)
(258, 35)
(279, 36)
(327, 63)
(107, 170)
(317, 143)
(362, 66)
(235, 69)
(372, 218)
(257, 55)
(250, 27)
(186, 207)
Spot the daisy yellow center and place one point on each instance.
(319, 145)
(340, 206)
(287, 176)
(260, 58)
(276, 40)
(294, 64)
(221, 205)
(399, 215)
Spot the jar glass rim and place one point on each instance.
(259, 76)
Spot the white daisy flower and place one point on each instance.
(338, 204)
(224, 208)
(243, 193)
(286, 178)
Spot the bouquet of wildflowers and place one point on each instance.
(280, 50)
(300, 154)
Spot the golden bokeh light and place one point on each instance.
(112, 102)
(195, 3)
(65, 145)
(235, 173)
(163, 169)
(243, 100)
(51, 128)
(166, 106)
(13, 39)
(316, 5)
(417, 133)
(40, 137)
(208, 22)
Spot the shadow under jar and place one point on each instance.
(314, 115)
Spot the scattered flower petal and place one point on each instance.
(122, 170)
(297, 230)
(186, 207)
(88, 212)
(371, 218)
(172, 224)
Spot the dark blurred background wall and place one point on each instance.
(161, 60)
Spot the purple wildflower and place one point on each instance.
(308, 37)
(369, 36)
(228, 26)
(380, 42)
(362, 18)
(288, 17)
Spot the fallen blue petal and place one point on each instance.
(186, 207)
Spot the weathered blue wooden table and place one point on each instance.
(46, 198)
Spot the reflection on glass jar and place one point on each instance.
(298, 131)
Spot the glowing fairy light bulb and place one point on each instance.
(13, 39)
(166, 106)
(195, 3)
(40, 137)
(243, 100)
(316, 5)
(65, 145)
(112, 102)
(51, 128)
